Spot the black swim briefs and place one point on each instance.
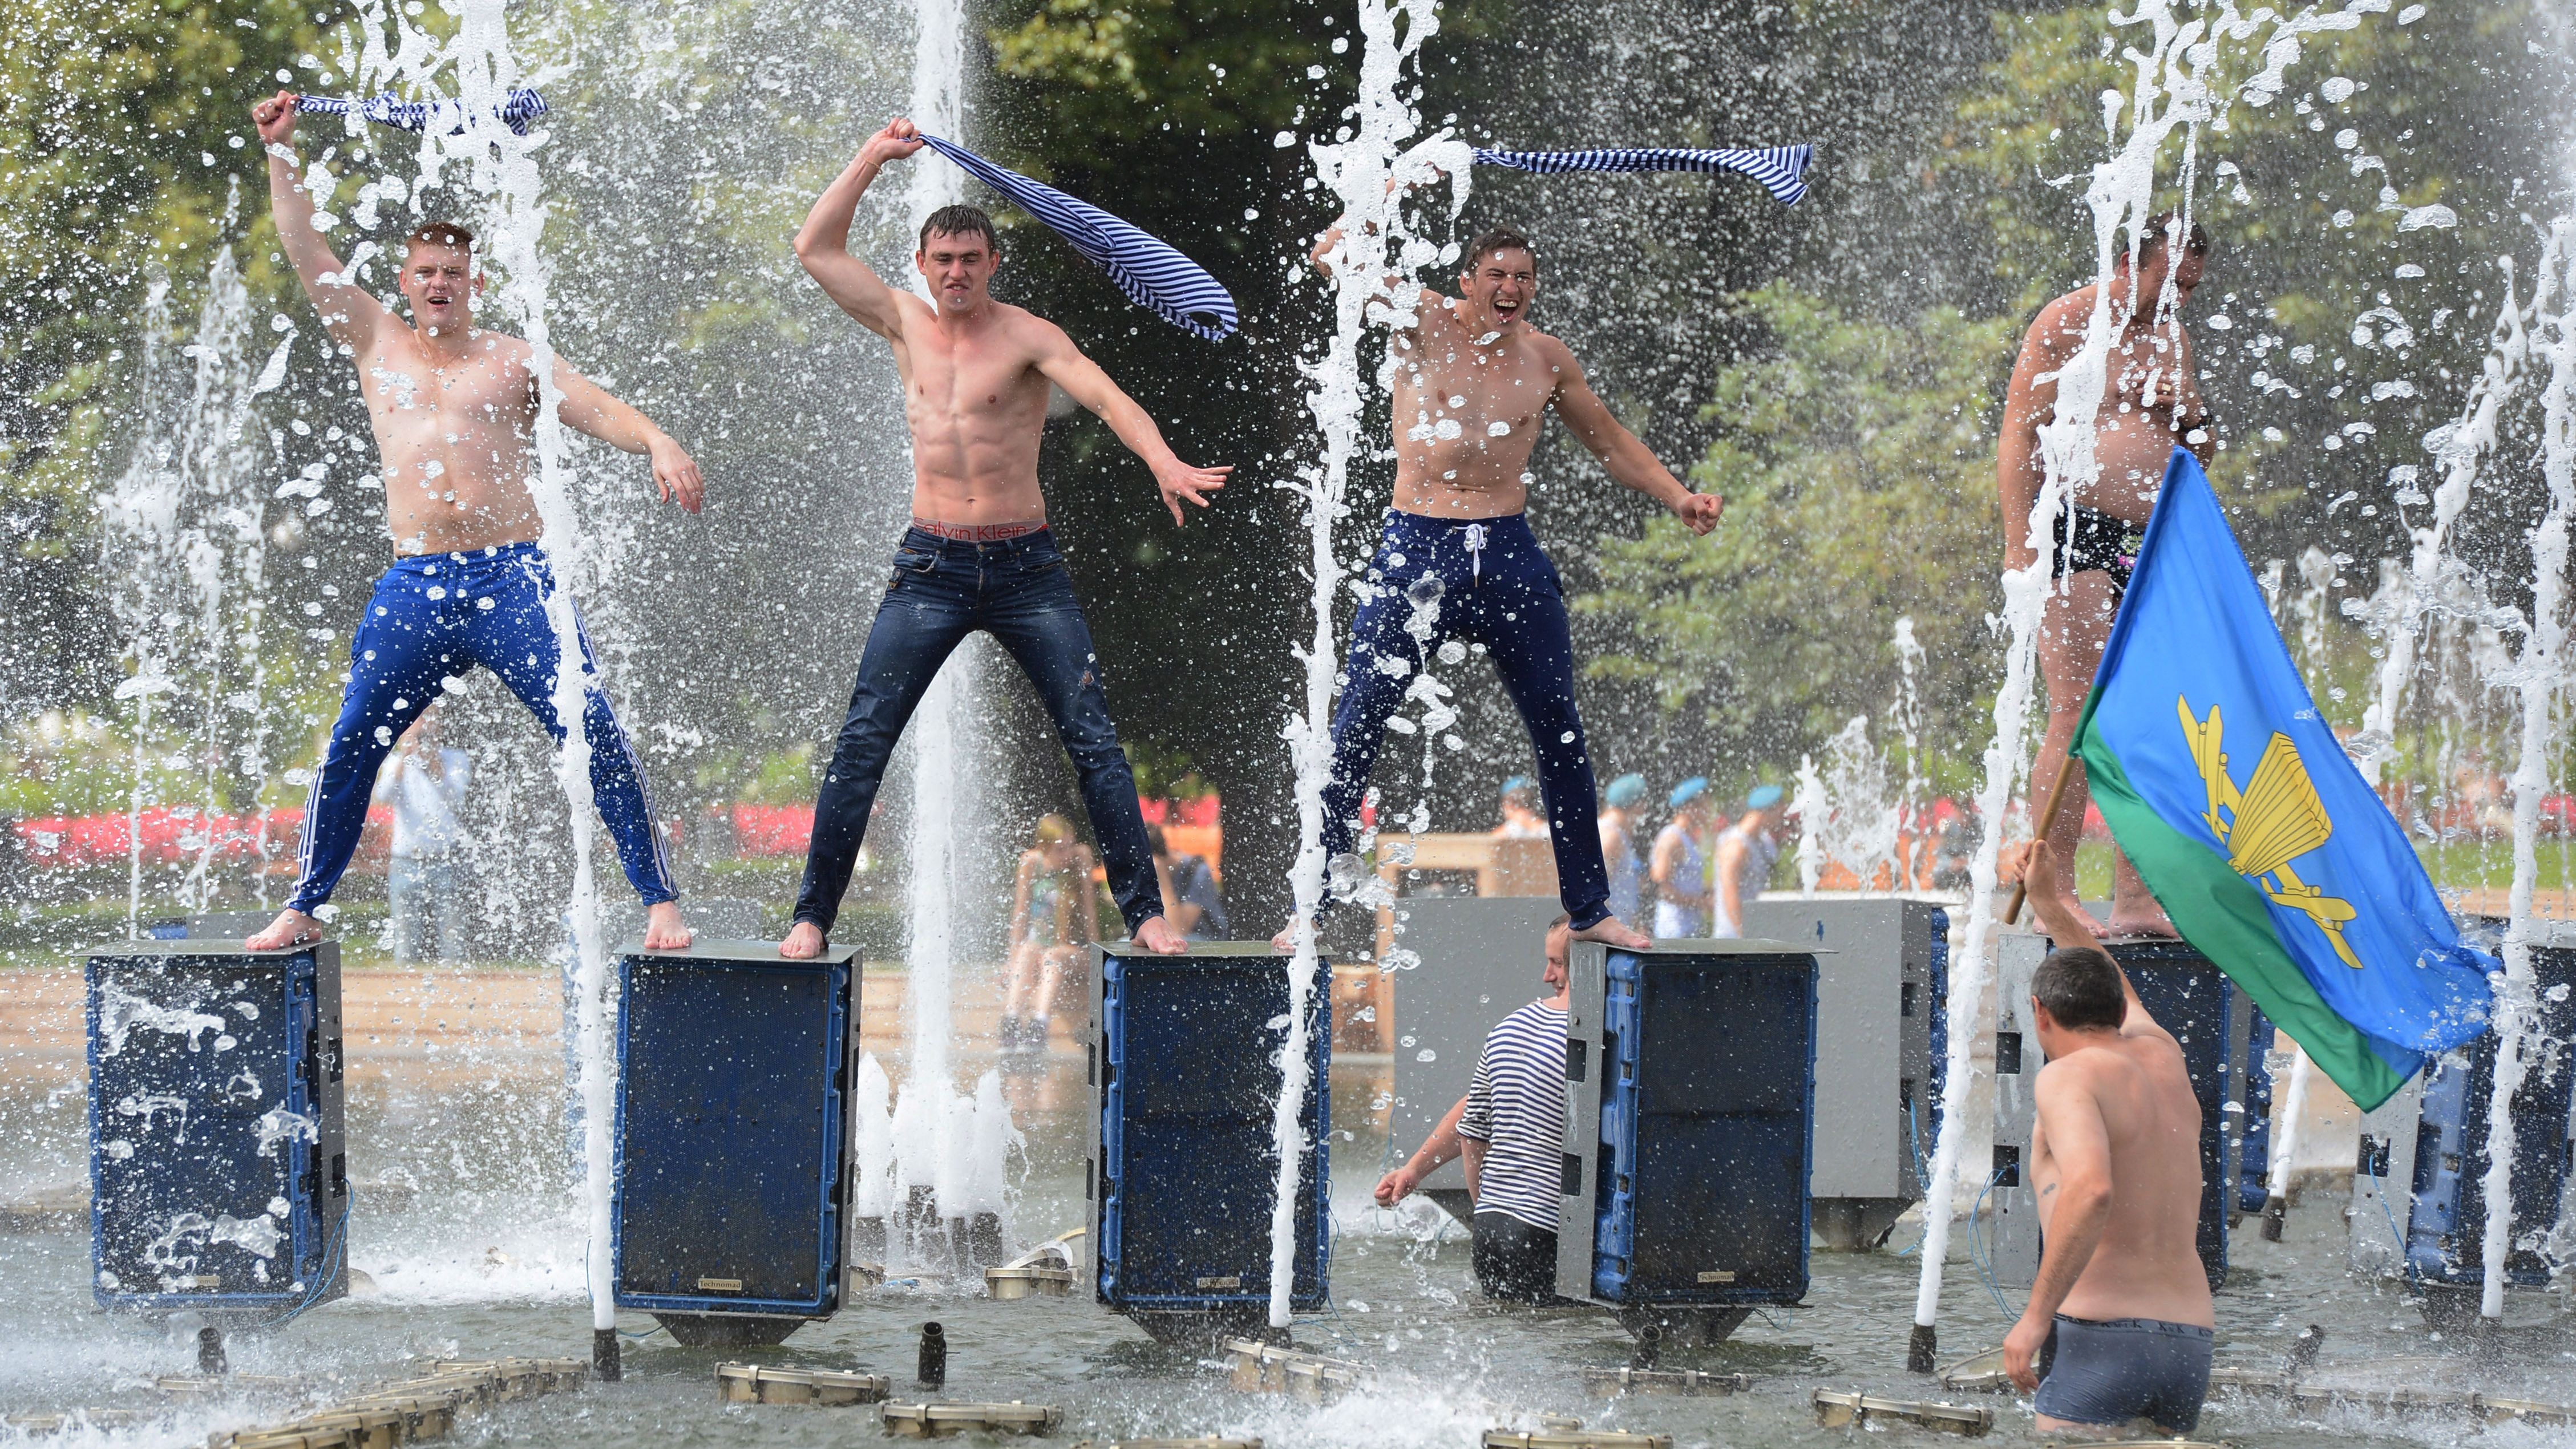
(2097, 541)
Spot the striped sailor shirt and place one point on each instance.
(1516, 1107)
(1781, 169)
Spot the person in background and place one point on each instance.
(1192, 901)
(1619, 845)
(425, 783)
(1746, 854)
(1054, 914)
(1521, 820)
(1510, 1127)
(1680, 864)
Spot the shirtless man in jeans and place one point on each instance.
(2152, 403)
(455, 408)
(979, 554)
(2116, 1340)
(1474, 383)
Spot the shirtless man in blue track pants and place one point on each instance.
(455, 408)
(1473, 385)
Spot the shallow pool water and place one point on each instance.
(471, 1245)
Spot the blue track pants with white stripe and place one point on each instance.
(435, 617)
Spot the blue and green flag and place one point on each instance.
(2229, 792)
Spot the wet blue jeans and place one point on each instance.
(1489, 584)
(434, 617)
(1019, 591)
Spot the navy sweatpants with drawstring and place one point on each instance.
(1496, 588)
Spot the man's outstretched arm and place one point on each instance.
(348, 312)
(589, 408)
(823, 243)
(2070, 1122)
(1064, 364)
(1628, 461)
(1438, 1150)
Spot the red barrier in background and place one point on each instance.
(171, 834)
(767, 831)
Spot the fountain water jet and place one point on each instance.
(186, 543)
(947, 1164)
(1366, 172)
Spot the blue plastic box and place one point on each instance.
(1183, 1175)
(1689, 1131)
(733, 1134)
(218, 1172)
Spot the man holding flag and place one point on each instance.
(2228, 791)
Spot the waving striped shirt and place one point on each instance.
(1516, 1107)
(1783, 169)
(1151, 272)
(518, 112)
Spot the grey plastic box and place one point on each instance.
(1880, 986)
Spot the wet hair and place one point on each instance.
(440, 234)
(1499, 239)
(1155, 844)
(1054, 830)
(2080, 987)
(2158, 231)
(961, 221)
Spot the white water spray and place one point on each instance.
(954, 1146)
(185, 549)
(501, 168)
(1365, 171)
(1845, 813)
(2539, 677)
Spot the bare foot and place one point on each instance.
(2146, 920)
(2066, 902)
(1157, 936)
(1610, 932)
(291, 928)
(664, 929)
(803, 943)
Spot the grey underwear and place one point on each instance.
(2123, 1369)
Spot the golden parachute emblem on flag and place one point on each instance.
(2274, 820)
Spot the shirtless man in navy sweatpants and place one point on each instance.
(1473, 385)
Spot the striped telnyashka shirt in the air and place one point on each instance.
(1516, 1107)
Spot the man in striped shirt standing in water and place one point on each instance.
(1511, 1128)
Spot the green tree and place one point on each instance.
(1857, 461)
(123, 138)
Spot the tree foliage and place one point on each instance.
(1856, 459)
